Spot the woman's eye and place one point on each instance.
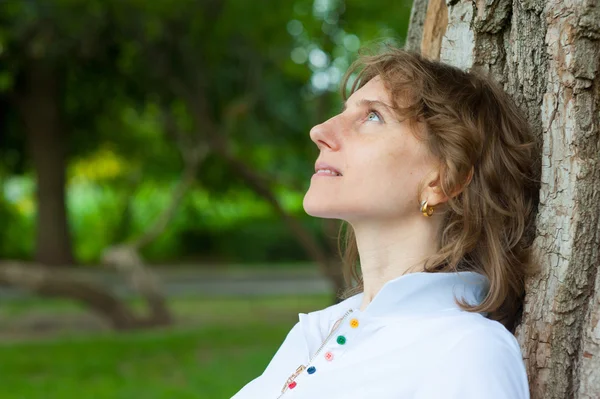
(373, 116)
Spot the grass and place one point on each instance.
(218, 346)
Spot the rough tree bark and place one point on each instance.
(546, 54)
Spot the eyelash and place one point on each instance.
(376, 113)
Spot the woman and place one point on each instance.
(431, 168)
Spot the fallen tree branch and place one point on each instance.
(63, 283)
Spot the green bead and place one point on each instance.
(341, 339)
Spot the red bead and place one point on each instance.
(329, 356)
(292, 385)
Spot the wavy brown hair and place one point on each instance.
(469, 124)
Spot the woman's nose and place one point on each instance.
(322, 135)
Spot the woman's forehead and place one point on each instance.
(373, 90)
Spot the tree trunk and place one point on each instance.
(546, 54)
(38, 103)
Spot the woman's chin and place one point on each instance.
(322, 210)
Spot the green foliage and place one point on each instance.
(17, 213)
(234, 226)
(125, 66)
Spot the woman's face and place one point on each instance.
(380, 159)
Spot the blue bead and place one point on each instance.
(311, 370)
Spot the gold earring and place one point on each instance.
(425, 210)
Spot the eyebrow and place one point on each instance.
(363, 102)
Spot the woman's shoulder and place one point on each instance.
(478, 329)
(479, 341)
(487, 330)
(479, 359)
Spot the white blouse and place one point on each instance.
(411, 342)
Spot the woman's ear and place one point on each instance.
(434, 193)
(470, 176)
(467, 181)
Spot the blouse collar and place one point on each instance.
(416, 294)
(413, 294)
(420, 293)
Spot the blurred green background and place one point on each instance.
(153, 160)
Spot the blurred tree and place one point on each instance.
(33, 70)
(233, 92)
(230, 83)
(50, 54)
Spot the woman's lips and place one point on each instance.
(320, 165)
(325, 174)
